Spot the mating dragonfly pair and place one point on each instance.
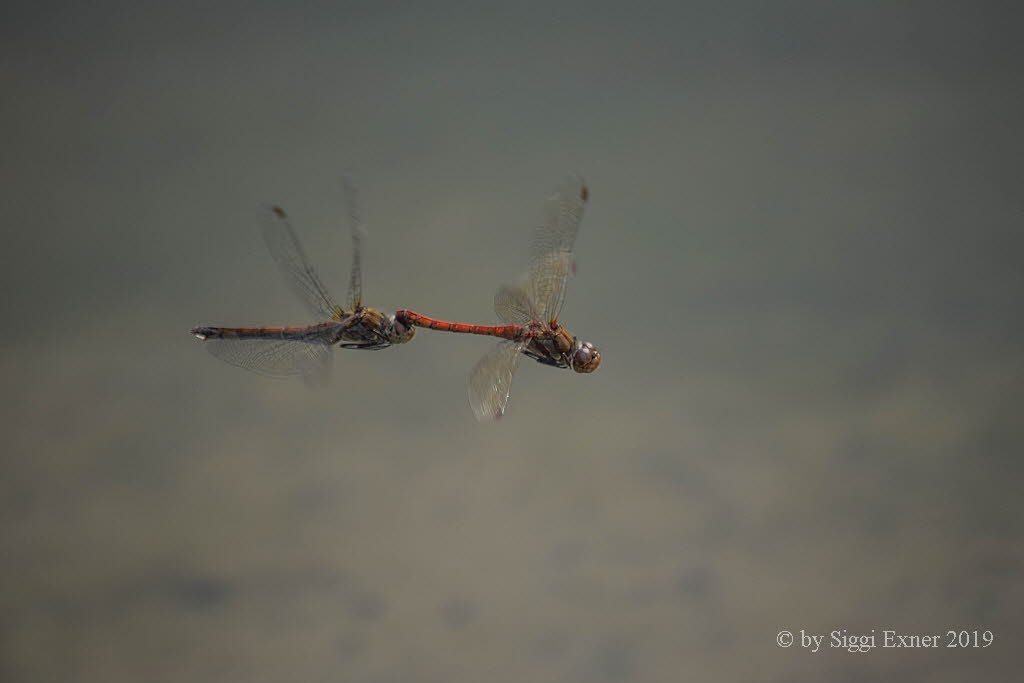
(528, 312)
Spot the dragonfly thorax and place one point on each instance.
(368, 328)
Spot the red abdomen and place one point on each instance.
(503, 331)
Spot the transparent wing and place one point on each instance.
(551, 260)
(513, 305)
(357, 226)
(491, 379)
(275, 357)
(284, 246)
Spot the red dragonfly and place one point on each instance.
(529, 311)
(304, 351)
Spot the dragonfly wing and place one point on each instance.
(357, 226)
(551, 259)
(513, 305)
(275, 357)
(491, 379)
(548, 276)
(290, 257)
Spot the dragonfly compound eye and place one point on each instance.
(400, 332)
(586, 358)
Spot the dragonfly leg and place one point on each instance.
(366, 346)
(545, 360)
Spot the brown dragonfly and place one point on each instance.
(304, 351)
(529, 311)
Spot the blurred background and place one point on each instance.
(801, 261)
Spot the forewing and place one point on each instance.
(290, 257)
(551, 259)
(275, 357)
(491, 379)
(513, 305)
(357, 226)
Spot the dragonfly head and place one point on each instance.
(398, 332)
(584, 357)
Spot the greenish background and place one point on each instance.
(801, 261)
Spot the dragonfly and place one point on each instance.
(528, 311)
(304, 351)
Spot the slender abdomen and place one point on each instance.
(504, 331)
(298, 333)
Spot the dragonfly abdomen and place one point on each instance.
(503, 331)
(295, 333)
